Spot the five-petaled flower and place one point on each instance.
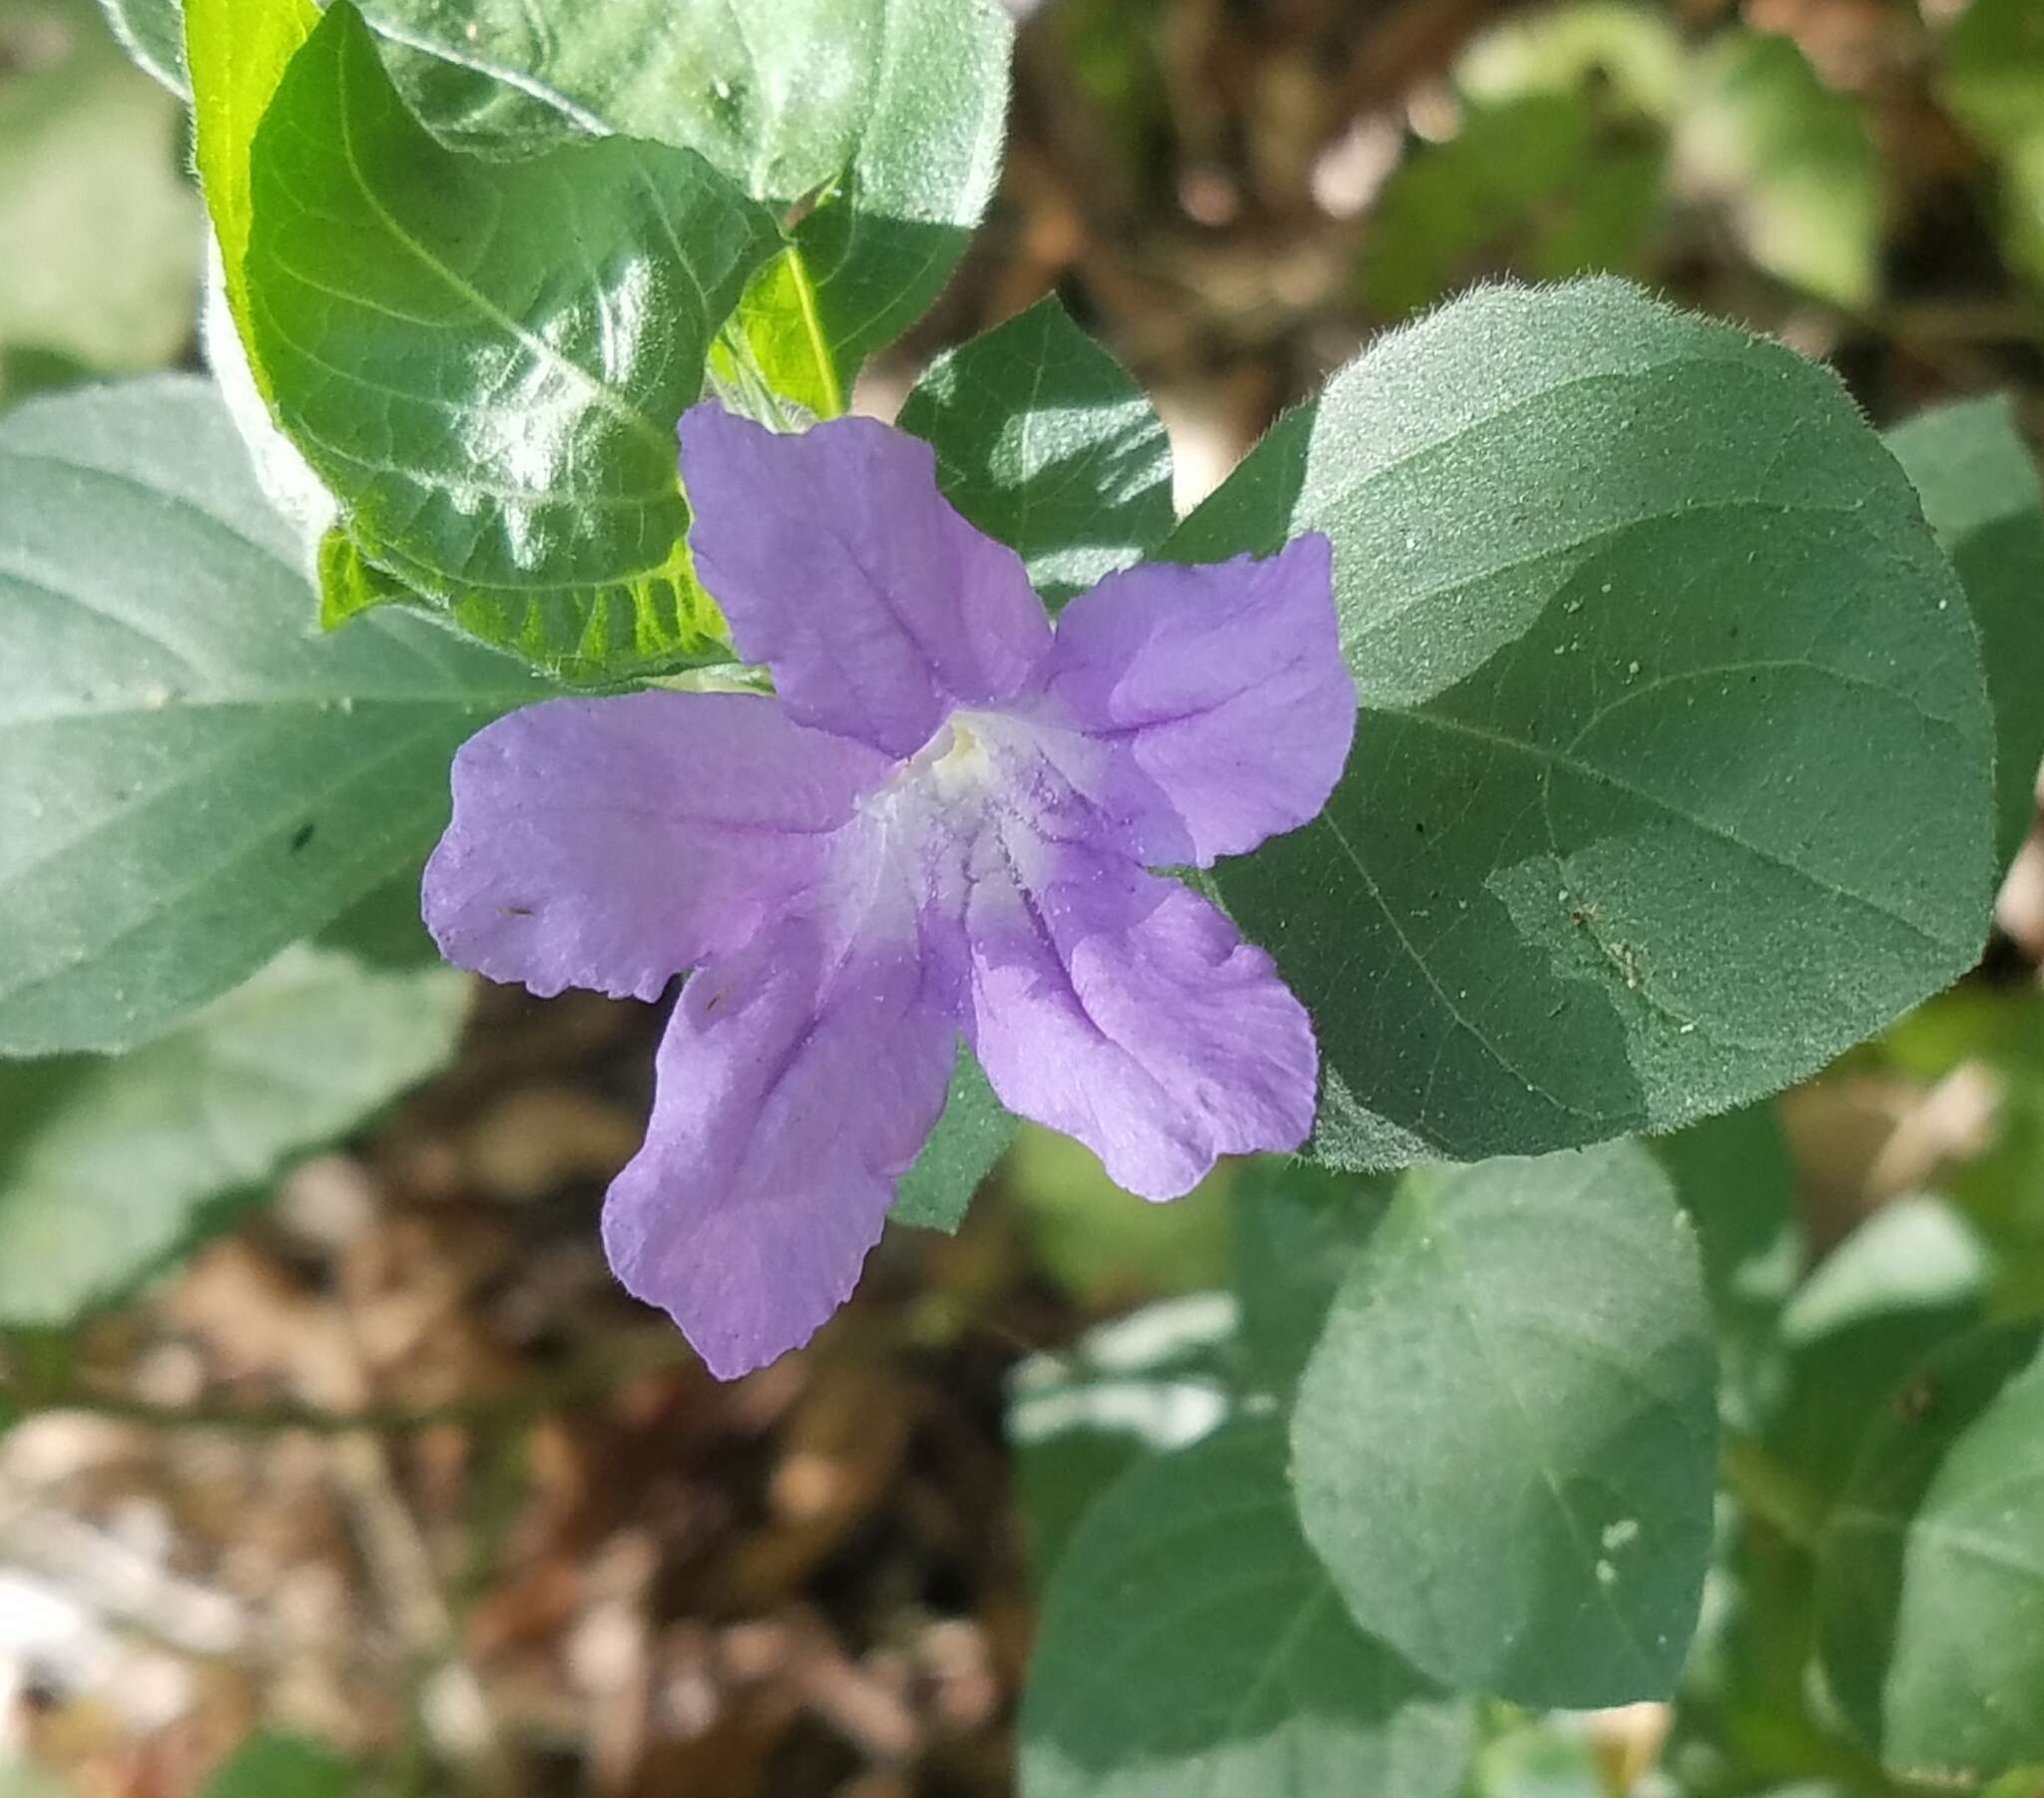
(938, 826)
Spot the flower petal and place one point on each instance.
(1217, 692)
(841, 566)
(611, 843)
(1124, 1009)
(793, 1086)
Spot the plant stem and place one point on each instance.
(1770, 1492)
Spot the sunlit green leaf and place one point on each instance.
(496, 419)
(236, 53)
(1044, 442)
(892, 109)
(1630, 51)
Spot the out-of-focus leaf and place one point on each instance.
(1542, 1758)
(1992, 70)
(153, 33)
(1505, 1437)
(192, 777)
(1044, 442)
(1933, 1592)
(1998, 1032)
(1734, 1177)
(1980, 493)
(1645, 624)
(26, 372)
(1992, 79)
(109, 1164)
(1192, 1643)
(1791, 160)
(1160, 1379)
(1539, 184)
(497, 436)
(1910, 1279)
(1100, 1243)
(271, 1764)
(102, 236)
(1628, 53)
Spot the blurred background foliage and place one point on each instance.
(389, 1464)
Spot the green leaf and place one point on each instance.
(26, 373)
(236, 53)
(109, 1166)
(1734, 1179)
(1296, 1230)
(1105, 1247)
(348, 583)
(1539, 183)
(1911, 1278)
(193, 779)
(1191, 1643)
(1611, 47)
(972, 1135)
(1980, 493)
(495, 415)
(1548, 1757)
(1159, 1379)
(271, 1764)
(1505, 1438)
(1734, 1176)
(88, 159)
(1793, 162)
(152, 34)
(891, 110)
(1646, 623)
(1932, 1585)
(1994, 71)
(1044, 442)
(778, 334)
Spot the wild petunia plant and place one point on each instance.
(1561, 733)
(939, 826)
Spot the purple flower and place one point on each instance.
(939, 826)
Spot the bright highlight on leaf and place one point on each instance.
(495, 418)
